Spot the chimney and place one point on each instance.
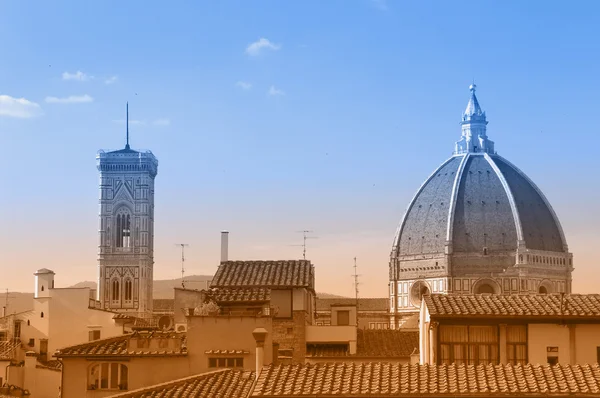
(259, 335)
(224, 246)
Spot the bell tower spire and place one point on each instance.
(127, 125)
(474, 137)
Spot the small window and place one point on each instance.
(94, 335)
(485, 251)
(552, 355)
(28, 322)
(597, 354)
(343, 318)
(42, 288)
(31, 343)
(226, 362)
(41, 315)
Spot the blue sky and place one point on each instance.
(329, 122)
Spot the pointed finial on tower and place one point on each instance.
(127, 123)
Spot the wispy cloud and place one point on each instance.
(161, 122)
(255, 48)
(18, 107)
(72, 99)
(111, 80)
(273, 91)
(78, 76)
(380, 4)
(244, 85)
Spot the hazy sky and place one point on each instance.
(270, 117)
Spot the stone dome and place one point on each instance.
(476, 202)
(478, 224)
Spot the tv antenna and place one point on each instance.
(304, 238)
(356, 275)
(183, 246)
(6, 297)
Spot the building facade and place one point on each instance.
(484, 329)
(478, 224)
(126, 229)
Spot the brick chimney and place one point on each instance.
(259, 335)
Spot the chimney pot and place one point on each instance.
(259, 335)
(224, 246)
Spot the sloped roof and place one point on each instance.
(163, 305)
(254, 294)
(265, 274)
(350, 379)
(364, 304)
(527, 305)
(7, 349)
(217, 384)
(119, 346)
(382, 343)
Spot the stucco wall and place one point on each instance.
(587, 339)
(226, 333)
(541, 336)
(143, 372)
(71, 319)
(184, 299)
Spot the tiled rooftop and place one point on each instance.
(274, 274)
(364, 304)
(383, 343)
(119, 346)
(52, 365)
(163, 305)
(349, 379)
(7, 349)
(226, 383)
(569, 305)
(254, 294)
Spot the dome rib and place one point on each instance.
(511, 198)
(399, 230)
(544, 199)
(455, 188)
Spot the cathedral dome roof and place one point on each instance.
(477, 201)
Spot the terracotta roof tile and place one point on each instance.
(226, 383)
(119, 346)
(274, 274)
(364, 304)
(163, 305)
(52, 365)
(383, 343)
(350, 379)
(246, 295)
(226, 352)
(575, 305)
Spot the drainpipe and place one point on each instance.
(259, 335)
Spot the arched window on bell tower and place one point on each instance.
(115, 290)
(123, 231)
(128, 290)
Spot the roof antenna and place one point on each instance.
(127, 122)
(356, 275)
(304, 238)
(183, 246)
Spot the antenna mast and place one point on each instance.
(356, 275)
(304, 238)
(183, 246)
